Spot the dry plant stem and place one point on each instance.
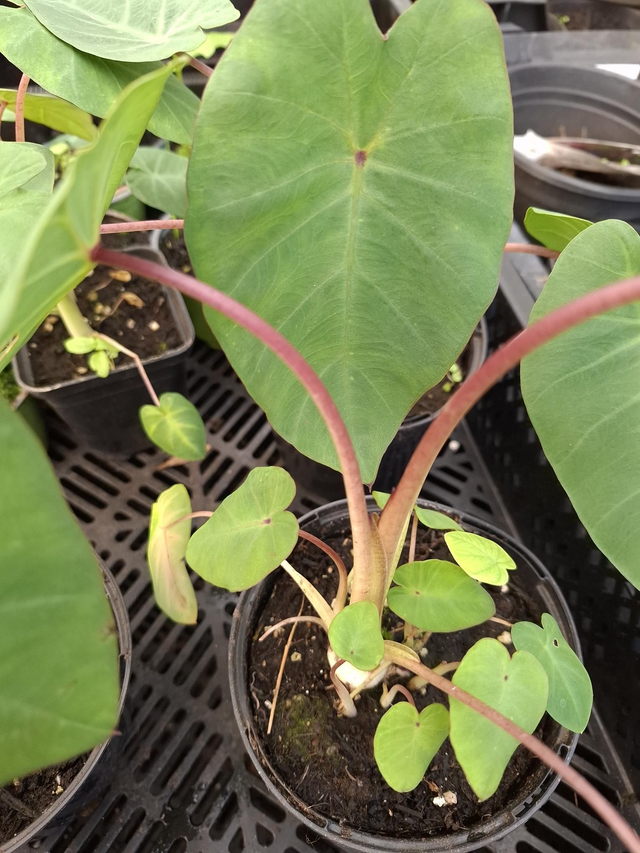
(322, 608)
(281, 671)
(403, 499)
(19, 111)
(278, 344)
(387, 698)
(142, 225)
(501, 621)
(373, 675)
(593, 797)
(341, 595)
(444, 667)
(348, 704)
(290, 620)
(530, 249)
(136, 360)
(200, 66)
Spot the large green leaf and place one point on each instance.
(570, 691)
(91, 83)
(250, 533)
(176, 427)
(356, 193)
(159, 178)
(55, 255)
(132, 30)
(553, 230)
(59, 679)
(582, 392)
(355, 635)
(26, 166)
(436, 595)
(54, 113)
(516, 687)
(406, 742)
(168, 539)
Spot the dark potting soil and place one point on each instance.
(125, 240)
(25, 800)
(148, 329)
(437, 397)
(175, 251)
(328, 760)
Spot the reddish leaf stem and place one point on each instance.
(142, 225)
(598, 803)
(19, 111)
(341, 595)
(530, 249)
(202, 67)
(403, 499)
(278, 344)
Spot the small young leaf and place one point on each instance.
(436, 520)
(406, 742)
(159, 178)
(356, 637)
(553, 230)
(436, 595)
(249, 535)
(517, 687)
(166, 552)
(480, 558)
(570, 691)
(176, 427)
(100, 363)
(81, 346)
(381, 498)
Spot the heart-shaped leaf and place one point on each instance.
(100, 363)
(54, 257)
(132, 30)
(91, 83)
(582, 392)
(54, 113)
(168, 540)
(26, 166)
(435, 520)
(176, 427)
(438, 596)
(515, 686)
(570, 691)
(406, 742)
(481, 558)
(59, 684)
(250, 533)
(159, 178)
(355, 635)
(355, 203)
(553, 230)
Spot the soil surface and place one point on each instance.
(26, 799)
(175, 251)
(436, 397)
(147, 327)
(328, 760)
(118, 242)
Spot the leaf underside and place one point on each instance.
(360, 207)
(553, 230)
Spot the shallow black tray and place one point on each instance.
(184, 782)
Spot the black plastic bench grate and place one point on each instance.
(184, 782)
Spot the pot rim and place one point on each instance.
(359, 840)
(125, 643)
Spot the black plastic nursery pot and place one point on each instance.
(531, 576)
(103, 413)
(590, 15)
(562, 100)
(326, 482)
(102, 760)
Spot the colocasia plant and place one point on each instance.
(349, 201)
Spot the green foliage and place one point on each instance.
(570, 691)
(435, 520)
(59, 674)
(25, 166)
(100, 363)
(406, 742)
(9, 388)
(250, 533)
(214, 41)
(436, 595)
(176, 427)
(91, 83)
(481, 558)
(355, 635)
(132, 30)
(582, 392)
(168, 540)
(159, 178)
(354, 203)
(46, 244)
(553, 230)
(515, 686)
(54, 113)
